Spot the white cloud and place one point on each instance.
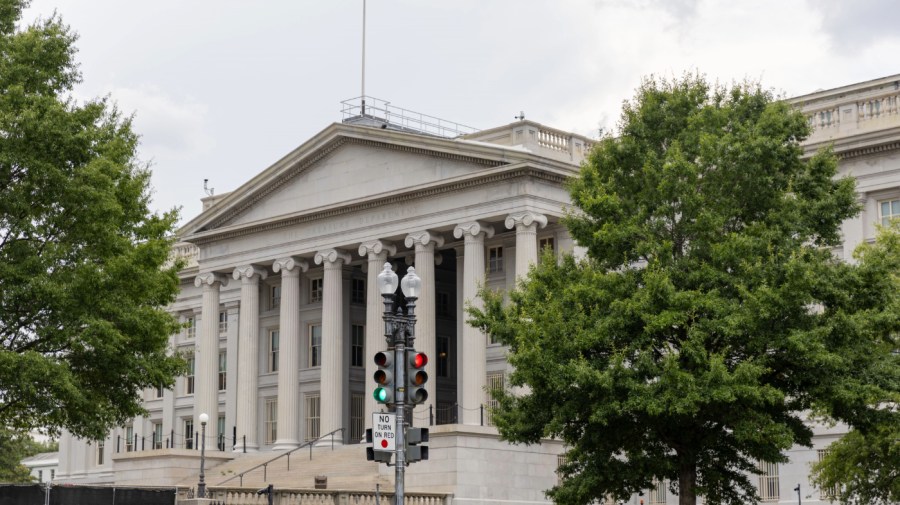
(170, 127)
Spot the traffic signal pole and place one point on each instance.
(400, 334)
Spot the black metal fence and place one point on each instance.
(36, 494)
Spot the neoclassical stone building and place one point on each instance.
(282, 314)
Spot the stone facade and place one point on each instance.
(282, 315)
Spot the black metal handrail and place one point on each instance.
(264, 465)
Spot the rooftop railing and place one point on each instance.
(368, 107)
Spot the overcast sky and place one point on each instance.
(221, 89)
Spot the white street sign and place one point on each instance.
(384, 436)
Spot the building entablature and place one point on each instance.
(858, 120)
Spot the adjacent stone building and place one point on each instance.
(282, 314)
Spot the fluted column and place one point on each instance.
(334, 371)
(377, 253)
(248, 357)
(425, 242)
(206, 355)
(288, 427)
(526, 225)
(474, 353)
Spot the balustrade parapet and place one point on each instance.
(307, 496)
(185, 251)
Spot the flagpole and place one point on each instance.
(363, 92)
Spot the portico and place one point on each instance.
(347, 201)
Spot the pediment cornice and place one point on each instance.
(495, 174)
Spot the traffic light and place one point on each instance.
(416, 377)
(384, 377)
(414, 451)
(372, 454)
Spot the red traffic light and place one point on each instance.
(418, 360)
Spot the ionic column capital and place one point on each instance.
(423, 238)
(210, 279)
(331, 256)
(526, 218)
(377, 247)
(249, 273)
(472, 229)
(289, 264)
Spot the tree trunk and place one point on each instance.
(687, 479)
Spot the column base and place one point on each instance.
(250, 448)
(285, 445)
(333, 440)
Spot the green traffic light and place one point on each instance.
(380, 395)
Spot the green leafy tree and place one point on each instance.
(863, 467)
(14, 447)
(83, 275)
(709, 315)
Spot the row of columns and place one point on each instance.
(333, 377)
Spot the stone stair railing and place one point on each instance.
(243, 496)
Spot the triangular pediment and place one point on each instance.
(347, 165)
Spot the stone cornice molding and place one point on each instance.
(423, 237)
(336, 210)
(247, 272)
(289, 265)
(864, 151)
(473, 228)
(210, 279)
(377, 247)
(526, 218)
(331, 256)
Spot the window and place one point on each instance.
(160, 391)
(40, 476)
(546, 243)
(445, 413)
(443, 303)
(768, 481)
(223, 374)
(887, 210)
(101, 444)
(357, 420)
(274, 297)
(832, 493)
(358, 291)
(190, 327)
(129, 439)
(495, 259)
(272, 362)
(188, 433)
(315, 345)
(443, 356)
(271, 420)
(561, 460)
(189, 379)
(657, 494)
(313, 412)
(223, 322)
(315, 290)
(495, 381)
(220, 433)
(357, 344)
(157, 436)
(52, 474)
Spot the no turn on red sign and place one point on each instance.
(384, 433)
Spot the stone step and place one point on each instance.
(344, 468)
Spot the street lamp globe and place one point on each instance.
(387, 280)
(204, 418)
(411, 284)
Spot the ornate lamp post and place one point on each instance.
(399, 331)
(201, 486)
